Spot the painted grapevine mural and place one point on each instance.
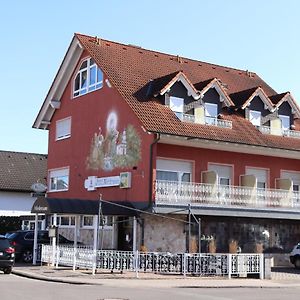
(114, 149)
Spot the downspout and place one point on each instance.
(150, 185)
(151, 170)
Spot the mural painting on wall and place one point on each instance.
(113, 149)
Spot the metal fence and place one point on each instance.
(197, 264)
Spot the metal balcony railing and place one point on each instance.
(184, 193)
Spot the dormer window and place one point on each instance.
(89, 78)
(211, 113)
(255, 117)
(177, 104)
(285, 122)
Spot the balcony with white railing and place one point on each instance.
(283, 132)
(201, 194)
(208, 121)
(292, 133)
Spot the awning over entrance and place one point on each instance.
(65, 206)
(83, 207)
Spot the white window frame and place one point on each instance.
(215, 166)
(294, 176)
(90, 87)
(59, 223)
(211, 113)
(66, 133)
(70, 225)
(83, 219)
(58, 173)
(283, 117)
(177, 107)
(106, 221)
(252, 117)
(258, 178)
(180, 167)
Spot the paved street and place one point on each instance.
(15, 287)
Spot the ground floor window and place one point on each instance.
(87, 221)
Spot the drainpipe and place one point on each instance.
(150, 183)
(151, 170)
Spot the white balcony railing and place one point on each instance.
(188, 118)
(292, 133)
(174, 193)
(209, 121)
(284, 132)
(265, 129)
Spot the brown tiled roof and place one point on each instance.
(241, 97)
(132, 69)
(276, 98)
(20, 170)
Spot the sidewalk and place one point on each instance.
(128, 279)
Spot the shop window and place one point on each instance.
(106, 221)
(87, 221)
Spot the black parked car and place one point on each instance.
(22, 241)
(7, 255)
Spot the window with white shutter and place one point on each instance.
(261, 175)
(63, 128)
(224, 173)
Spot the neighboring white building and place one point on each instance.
(18, 172)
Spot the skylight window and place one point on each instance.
(89, 78)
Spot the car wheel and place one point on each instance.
(7, 270)
(297, 263)
(27, 256)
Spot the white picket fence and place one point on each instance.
(201, 264)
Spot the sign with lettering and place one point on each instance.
(93, 182)
(38, 208)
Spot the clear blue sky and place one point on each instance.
(261, 36)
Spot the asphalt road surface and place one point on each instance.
(15, 287)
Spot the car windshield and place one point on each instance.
(4, 243)
(11, 235)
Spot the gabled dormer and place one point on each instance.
(213, 98)
(255, 104)
(287, 111)
(176, 91)
(201, 103)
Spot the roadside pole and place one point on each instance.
(35, 239)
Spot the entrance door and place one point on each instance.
(125, 240)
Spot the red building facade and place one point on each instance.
(174, 137)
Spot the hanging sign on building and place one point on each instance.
(93, 182)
